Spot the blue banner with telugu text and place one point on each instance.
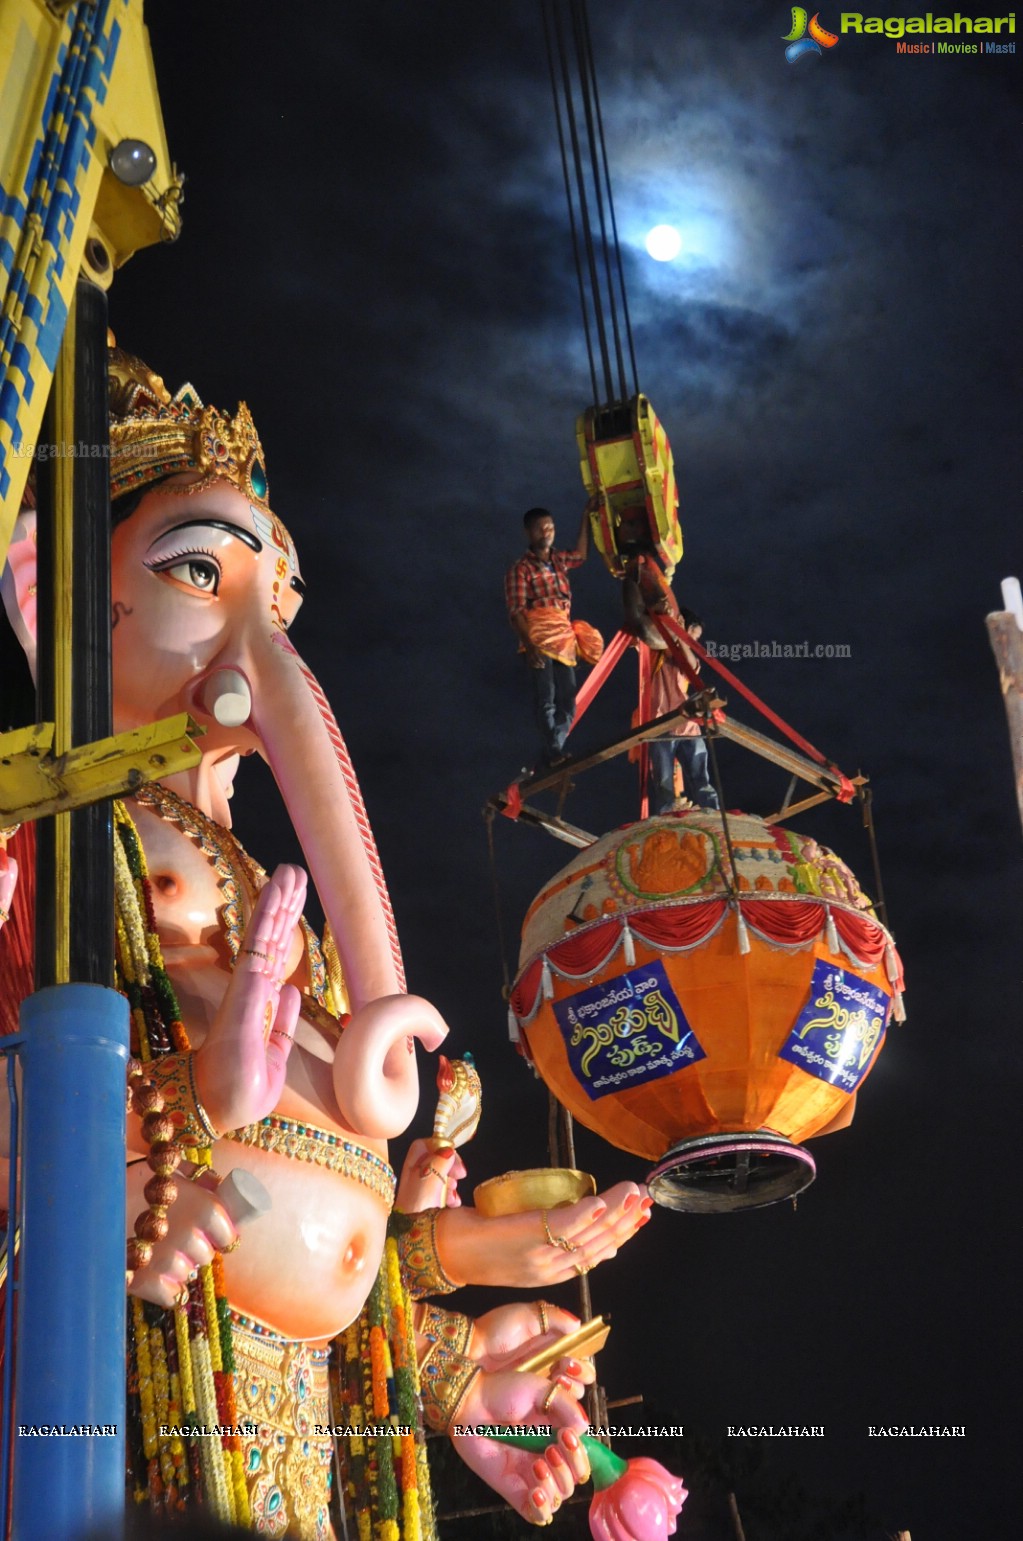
(839, 1028)
(626, 1031)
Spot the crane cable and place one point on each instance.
(606, 296)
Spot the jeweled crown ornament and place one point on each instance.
(154, 434)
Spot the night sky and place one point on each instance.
(376, 257)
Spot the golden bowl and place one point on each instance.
(541, 1187)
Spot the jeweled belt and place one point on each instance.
(305, 1142)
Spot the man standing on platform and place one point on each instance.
(539, 599)
(668, 690)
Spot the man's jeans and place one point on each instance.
(692, 755)
(554, 700)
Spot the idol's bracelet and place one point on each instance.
(421, 1270)
(445, 1377)
(174, 1077)
(439, 1326)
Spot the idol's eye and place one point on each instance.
(196, 572)
(201, 575)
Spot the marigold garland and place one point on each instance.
(145, 1380)
(161, 1399)
(385, 1477)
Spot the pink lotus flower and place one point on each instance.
(633, 1500)
(641, 1504)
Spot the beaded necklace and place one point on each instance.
(236, 872)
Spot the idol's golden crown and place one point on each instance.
(154, 434)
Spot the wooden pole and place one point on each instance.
(733, 1509)
(1005, 629)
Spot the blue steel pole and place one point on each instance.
(10, 1052)
(71, 1297)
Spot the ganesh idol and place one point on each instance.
(262, 1048)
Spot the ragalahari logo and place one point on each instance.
(807, 35)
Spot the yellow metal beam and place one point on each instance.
(35, 782)
(73, 85)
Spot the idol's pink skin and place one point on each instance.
(8, 883)
(429, 1179)
(534, 1485)
(504, 1337)
(18, 584)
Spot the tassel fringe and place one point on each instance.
(890, 964)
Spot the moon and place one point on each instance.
(663, 243)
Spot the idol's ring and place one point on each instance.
(556, 1241)
(545, 1324)
(193, 1170)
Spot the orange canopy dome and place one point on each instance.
(704, 1016)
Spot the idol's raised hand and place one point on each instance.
(239, 1070)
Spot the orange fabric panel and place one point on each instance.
(589, 642)
(550, 630)
(741, 1007)
(557, 636)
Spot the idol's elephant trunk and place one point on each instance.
(375, 1075)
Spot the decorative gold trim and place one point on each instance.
(321, 1147)
(421, 1268)
(445, 1379)
(173, 1075)
(154, 434)
(449, 1327)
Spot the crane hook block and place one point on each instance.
(626, 463)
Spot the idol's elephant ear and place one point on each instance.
(18, 583)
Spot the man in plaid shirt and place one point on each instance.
(539, 600)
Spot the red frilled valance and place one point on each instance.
(677, 928)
